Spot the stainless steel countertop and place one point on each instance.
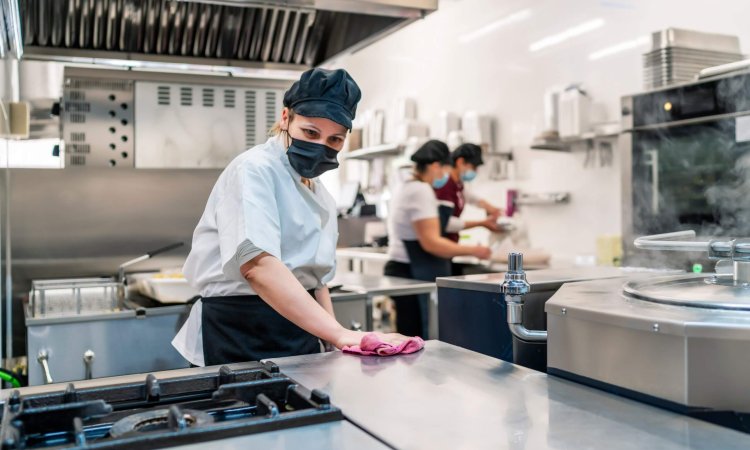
(540, 280)
(448, 397)
(380, 284)
(381, 254)
(363, 253)
(334, 436)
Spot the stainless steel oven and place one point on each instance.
(686, 163)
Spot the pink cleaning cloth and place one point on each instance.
(371, 345)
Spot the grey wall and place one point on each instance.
(87, 221)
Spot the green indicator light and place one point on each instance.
(697, 268)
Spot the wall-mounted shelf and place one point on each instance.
(565, 144)
(556, 145)
(542, 198)
(373, 152)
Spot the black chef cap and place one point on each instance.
(471, 153)
(330, 94)
(430, 152)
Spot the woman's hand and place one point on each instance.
(482, 252)
(349, 338)
(491, 224)
(392, 338)
(493, 211)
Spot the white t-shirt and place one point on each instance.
(414, 201)
(258, 205)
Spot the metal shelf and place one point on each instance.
(564, 145)
(373, 152)
(558, 145)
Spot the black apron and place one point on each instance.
(245, 328)
(413, 311)
(426, 266)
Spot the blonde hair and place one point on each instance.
(276, 128)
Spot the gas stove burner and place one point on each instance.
(159, 413)
(173, 419)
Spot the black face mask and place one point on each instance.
(311, 159)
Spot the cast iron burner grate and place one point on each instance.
(163, 413)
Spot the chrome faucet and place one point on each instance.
(514, 288)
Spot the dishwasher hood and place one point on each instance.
(282, 34)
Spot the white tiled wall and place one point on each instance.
(497, 74)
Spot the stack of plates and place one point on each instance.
(678, 55)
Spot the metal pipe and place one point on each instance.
(11, 92)
(732, 249)
(514, 288)
(43, 359)
(88, 361)
(663, 242)
(515, 262)
(515, 321)
(151, 254)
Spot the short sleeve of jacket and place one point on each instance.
(422, 203)
(247, 217)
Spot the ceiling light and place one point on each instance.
(563, 36)
(517, 16)
(618, 48)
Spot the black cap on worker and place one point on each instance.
(430, 152)
(471, 153)
(330, 94)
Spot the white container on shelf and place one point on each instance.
(552, 108)
(455, 138)
(406, 109)
(574, 112)
(363, 121)
(411, 128)
(477, 129)
(446, 122)
(376, 127)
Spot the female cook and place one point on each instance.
(417, 247)
(263, 250)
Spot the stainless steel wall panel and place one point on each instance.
(121, 345)
(98, 122)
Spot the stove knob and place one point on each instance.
(153, 389)
(271, 367)
(320, 397)
(70, 395)
(14, 401)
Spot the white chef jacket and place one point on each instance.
(258, 204)
(413, 202)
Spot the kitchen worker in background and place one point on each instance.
(264, 248)
(465, 159)
(416, 246)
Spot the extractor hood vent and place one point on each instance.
(282, 34)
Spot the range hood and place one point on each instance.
(265, 34)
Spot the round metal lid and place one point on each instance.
(697, 291)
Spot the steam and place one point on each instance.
(692, 177)
(731, 200)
